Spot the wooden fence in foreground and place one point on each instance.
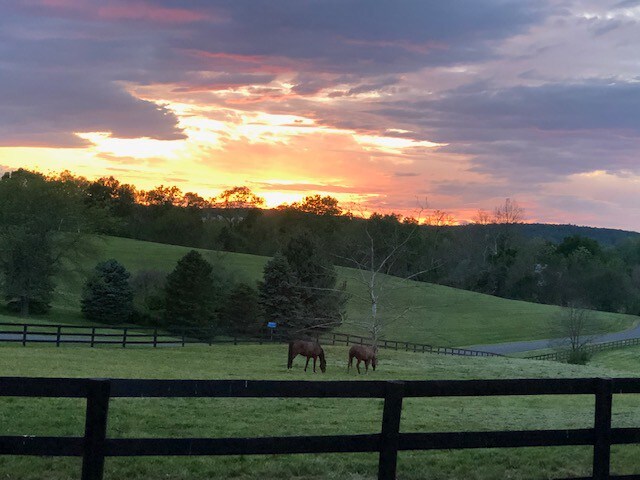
(25, 333)
(95, 445)
(563, 355)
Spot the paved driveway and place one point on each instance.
(517, 347)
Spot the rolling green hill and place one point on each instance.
(413, 311)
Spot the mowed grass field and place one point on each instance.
(272, 417)
(437, 314)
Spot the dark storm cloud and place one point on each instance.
(538, 133)
(364, 36)
(58, 77)
(586, 106)
(64, 64)
(37, 116)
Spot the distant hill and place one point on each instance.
(557, 233)
(607, 237)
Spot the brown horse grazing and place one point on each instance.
(363, 353)
(309, 350)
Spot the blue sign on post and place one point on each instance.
(272, 324)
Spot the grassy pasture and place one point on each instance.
(264, 417)
(626, 360)
(439, 315)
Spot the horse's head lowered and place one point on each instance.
(323, 362)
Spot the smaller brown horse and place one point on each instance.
(363, 353)
(309, 350)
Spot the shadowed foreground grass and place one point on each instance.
(265, 417)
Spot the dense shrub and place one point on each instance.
(579, 356)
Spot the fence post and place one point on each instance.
(124, 338)
(93, 335)
(95, 429)
(390, 435)
(602, 429)
(24, 335)
(155, 337)
(58, 336)
(347, 340)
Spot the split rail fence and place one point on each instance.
(592, 348)
(25, 333)
(95, 446)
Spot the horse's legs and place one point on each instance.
(366, 366)
(314, 364)
(294, 356)
(358, 365)
(350, 364)
(306, 364)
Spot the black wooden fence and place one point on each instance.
(25, 333)
(563, 355)
(95, 446)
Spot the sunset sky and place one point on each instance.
(464, 103)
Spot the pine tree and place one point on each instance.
(191, 293)
(323, 303)
(107, 296)
(241, 311)
(279, 293)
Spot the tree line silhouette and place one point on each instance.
(43, 221)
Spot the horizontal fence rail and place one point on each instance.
(95, 446)
(25, 333)
(564, 355)
(339, 338)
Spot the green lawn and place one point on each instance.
(436, 314)
(624, 360)
(265, 417)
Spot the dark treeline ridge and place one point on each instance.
(563, 265)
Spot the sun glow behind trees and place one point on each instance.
(230, 146)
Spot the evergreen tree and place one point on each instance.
(323, 303)
(191, 293)
(279, 293)
(107, 296)
(241, 311)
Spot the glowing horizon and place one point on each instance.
(464, 108)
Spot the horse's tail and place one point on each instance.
(290, 357)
